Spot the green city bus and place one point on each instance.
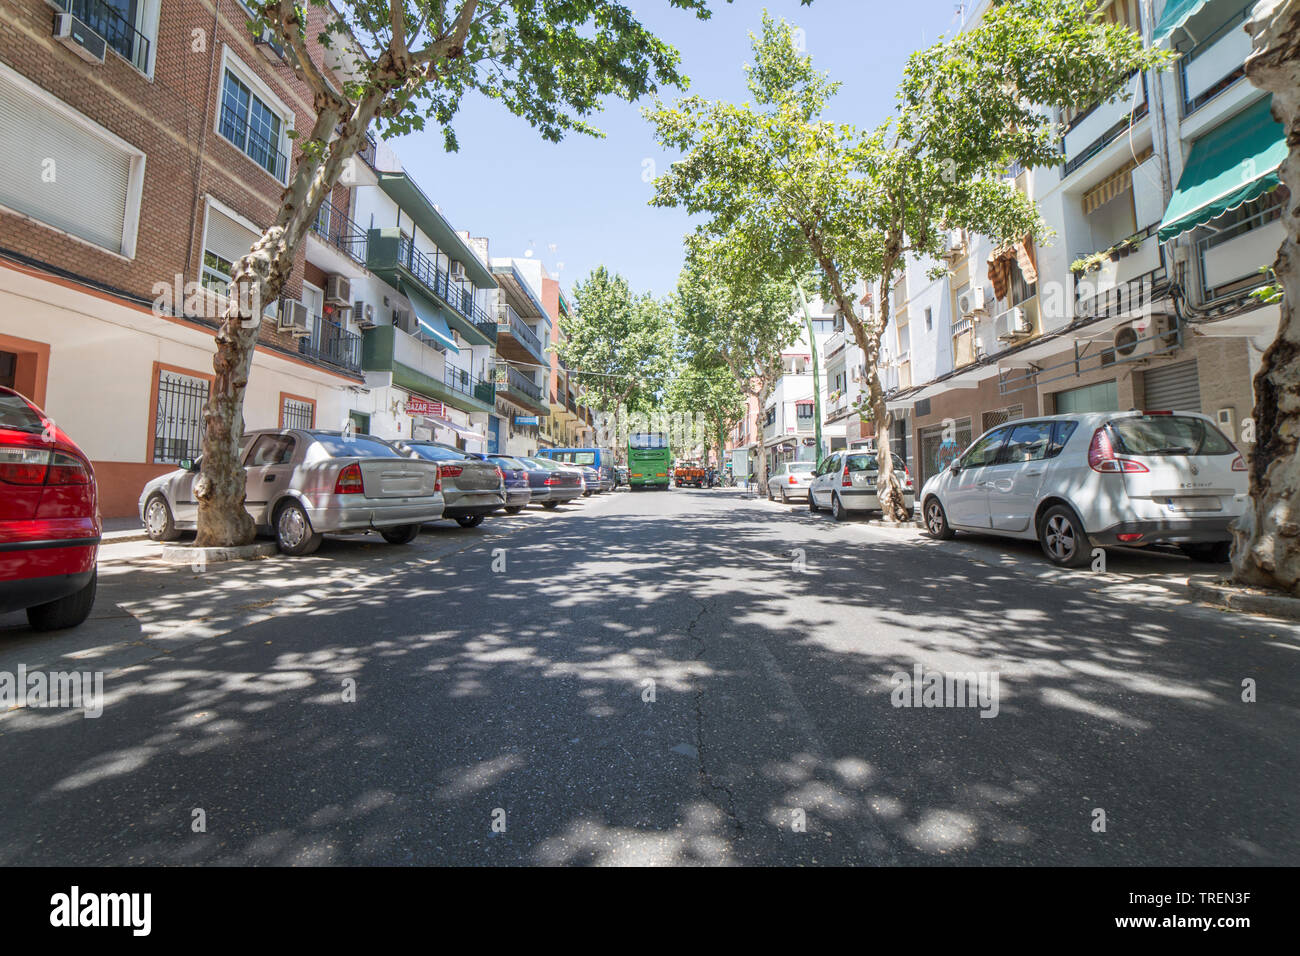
(649, 460)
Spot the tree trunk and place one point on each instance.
(257, 279)
(1266, 547)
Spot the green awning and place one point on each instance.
(1177, 12)
(431, 319)
(1232, 164)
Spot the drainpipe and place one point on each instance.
(178, 308)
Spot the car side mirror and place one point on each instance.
(187, 464)
(955, 467)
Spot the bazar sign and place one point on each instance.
(423, 406)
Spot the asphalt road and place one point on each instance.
(686, 677)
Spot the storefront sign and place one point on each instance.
(527, 419)
(419, 407)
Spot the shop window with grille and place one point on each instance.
(298, 414)
(178, 428)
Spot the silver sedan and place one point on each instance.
(790, 481)
(302, 484)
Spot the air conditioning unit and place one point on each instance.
(294, 318)
(270, 47)
(363, 313)
(457, 269)
(405, 320)
(338, 290)
(79, 38)
(1012, 324)
(971, 302)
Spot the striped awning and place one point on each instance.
(1113, 185)
(1000, 265)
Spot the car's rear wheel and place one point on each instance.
(837, 508)
(785, 498)
(293, 531)
(66, 611)
(158, 521)
(402, 534)
(550, 505)
(1063, 538)
(1220, 552)
(936, 520)
(469, 521)
(587, 494)
(514, 509)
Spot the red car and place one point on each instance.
(49, 519)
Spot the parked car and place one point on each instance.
(599, 460)
(472, 488)
(49, 519)
(791, 480)
(552, 483)
(302, 484)
(845, 482)
(518, 489)
(1075, 482)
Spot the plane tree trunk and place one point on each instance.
(1266, 547)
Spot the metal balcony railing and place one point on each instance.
(521, 383)
(332, 344)
(508, 319)
(462, 381)
(119, 32)
(260, 150)
(334, 227)
(439, 282)
(1238, 260)
(1215, 63)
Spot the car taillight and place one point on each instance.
(553, 481)
(1238, 464)
(793, 480)
(35, 466)
(349, 481)
(1102, 457)
(846, 481)
(449, 471)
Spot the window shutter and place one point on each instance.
(88, 183)
(227, 238)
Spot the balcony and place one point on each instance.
(1230, 260)
(515, 340)
(1214, 64)
(1131, 278)
(333, 227)
(520, 389)
(420, 368)
(1094, 129)
(118, 32)
(394, 257)
(331, 344)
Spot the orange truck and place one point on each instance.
(690, 473)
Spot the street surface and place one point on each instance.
(506, 716)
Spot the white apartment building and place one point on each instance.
(787, 424)
(1165, 209)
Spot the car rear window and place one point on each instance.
(358, 446)
(870, 463)
(437, 453)
(801, 466)
(15, 413)
(507, 462)
(1169, 435)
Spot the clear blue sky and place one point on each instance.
(586, 197)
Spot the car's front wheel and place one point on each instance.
(812, 502)
(402, 534)
(1063, 538)
(158, 521)
(1220, 552)
(514, 509)
(469, 521)
(66, 611)
(293, 531)
(550, 505)
(936, 520)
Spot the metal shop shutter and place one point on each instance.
(84, 192)
(1175, 388)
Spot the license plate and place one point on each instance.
(871, 482)
(1192, 503)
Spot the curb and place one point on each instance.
(1213, 591)
(123, 537)
(188, 554)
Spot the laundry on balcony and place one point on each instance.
(1022, 253)
(1230, 165)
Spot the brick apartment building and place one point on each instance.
(143, 172)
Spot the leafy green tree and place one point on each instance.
(790, 189)
(1266, 547)
(551, 62)
(704, 388)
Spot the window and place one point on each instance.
(929, 319)
(1031, 441)
(270, 450)
(358, 446)
(1163, 435)
(297, 413)
(122, 24)
(178, 419)
(1102, 397)
(804, 411)
(769, 417)
(252, 125)
(984, 451)
(66, 171)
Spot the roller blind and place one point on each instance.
(227, 238)
(60, 172)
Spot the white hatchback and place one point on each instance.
(845, 482)
(1075, 482)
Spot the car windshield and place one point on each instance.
(1169, 435)
(437, 453)
(356, 446)
(15, 413)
